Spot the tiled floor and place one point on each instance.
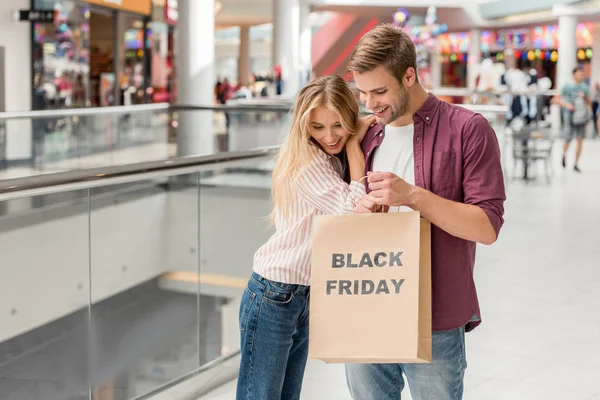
(538, 288)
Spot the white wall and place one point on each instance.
(45, 268)
(232, 228)
(15, 37)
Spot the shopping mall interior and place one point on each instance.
(138, 140)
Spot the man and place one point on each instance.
(443, 161)
(574, 99)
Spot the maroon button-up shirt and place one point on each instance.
(456, 157)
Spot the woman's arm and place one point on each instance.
(356, 158)
(320, 185)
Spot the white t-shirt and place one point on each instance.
(396, 155)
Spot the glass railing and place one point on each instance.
(119, 292)
(53, 141)
(43, 142)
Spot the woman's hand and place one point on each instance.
(364, 124)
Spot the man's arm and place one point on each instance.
(560, 99)
(588, 96)
(465, 221)
(461, 220)
(564, 104)
(480, 217)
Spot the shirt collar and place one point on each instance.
(428, 110)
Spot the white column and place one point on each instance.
(567, 50)
(196, 55)
(304, 52)
(474, 59)
(16, 76)
(244, 58)
(286, 36)
(595, 55)
(435, 69)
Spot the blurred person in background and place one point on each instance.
(595, 103)
(574, 100)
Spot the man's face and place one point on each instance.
(381, 93)
(578, 76)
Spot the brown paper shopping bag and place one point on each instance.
(370, 299)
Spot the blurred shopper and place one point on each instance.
(443, 161)
(40, 102)
(595, 104)
(574, 100)
(319, 157)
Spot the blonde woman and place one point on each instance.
(321, 154)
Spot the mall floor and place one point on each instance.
(538, 289)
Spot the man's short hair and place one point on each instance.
(386, 46)
(577, 69)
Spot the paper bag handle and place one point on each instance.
(355, 203)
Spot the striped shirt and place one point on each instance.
(319, 189)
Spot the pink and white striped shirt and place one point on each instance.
(319, 189)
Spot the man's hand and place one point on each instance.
(390, 190)
(366, 205)
(569, 106)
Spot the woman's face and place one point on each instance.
(326, 129)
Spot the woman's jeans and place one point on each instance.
(274, 340)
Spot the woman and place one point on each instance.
(322, 148)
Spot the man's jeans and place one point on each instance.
(440, 380)
(274, 340)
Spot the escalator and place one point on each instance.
(333, 43)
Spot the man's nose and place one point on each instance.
(368, 101)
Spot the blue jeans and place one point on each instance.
(274, 340)
(440, 380)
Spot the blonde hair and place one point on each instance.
(298, 148)
(387, 46)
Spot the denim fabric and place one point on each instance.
(440, 380)
(274, 340)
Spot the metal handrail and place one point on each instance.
(197, 371)
(118, 110)
(486, 108)
(81, 112)
(284, 106)
(104, 176)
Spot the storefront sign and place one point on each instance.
(136, 6)
(171, 12)
(36, 16)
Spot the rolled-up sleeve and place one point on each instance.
(483, 180)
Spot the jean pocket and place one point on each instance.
(245, 307)
(279, 293)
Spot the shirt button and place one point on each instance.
(381, 134)
(369, 153)
(427, 118)
(417, 138)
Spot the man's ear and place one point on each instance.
(410, 77)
